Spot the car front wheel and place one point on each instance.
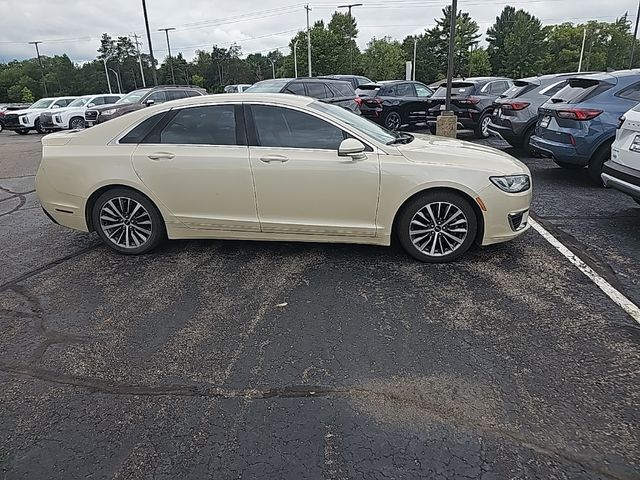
(127, 221)
(39, 128)
(76, 123)
(437, 227)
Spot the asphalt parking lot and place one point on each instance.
(229, 359)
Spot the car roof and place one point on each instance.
(281, 98)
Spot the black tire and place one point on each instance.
(568, 166)
(393, 120)
(149, 220)
(1, 127)
(76, 123)
(413, 209)
(481, 130)
(526, 140)
(22, 131)
(37, 127)
(602, 155)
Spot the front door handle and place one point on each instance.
(274, 158)
(161, 156)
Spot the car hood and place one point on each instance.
(430, 149)
(25, 111)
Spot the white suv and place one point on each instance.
(21, 121)
(622, 172)
(72, 116)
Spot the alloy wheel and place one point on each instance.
(393, 121)
(125, 222)
(438, 229)
(485, 126)
(76, 123)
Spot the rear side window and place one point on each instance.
(138, 134)
(175, 94)
(209, 125)
(296, 88)
(631, 93)
(192, 93)
(388, 91)
(317, 90)
(405, 90)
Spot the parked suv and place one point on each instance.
(22, 121)
(515, 113)
(394, 103)
(141, 98)
(7, 108)
(471, 100)
(72, 116)
(622, 172)
(578, 125)
(327, 90)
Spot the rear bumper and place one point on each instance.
(508, 130)
(622, 178)
(562, 152)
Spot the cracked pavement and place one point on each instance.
(230, 359)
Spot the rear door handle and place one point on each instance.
(274, 158)
(161, 156)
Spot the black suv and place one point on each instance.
(471, 100)
(394, 103)
(327, 90)
(354, 80)
(139, 99)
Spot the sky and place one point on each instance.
(74, 27)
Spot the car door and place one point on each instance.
(302, 185)
(423, 96)
(407, 101)
(195, 160)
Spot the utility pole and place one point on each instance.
(273, 68)
(153, 60)
(584, 38)
(415, 47)
(135, 36)
(44, 82)
(106, 72)
(350, 6)
(166, 32)
(635, 34)
(308, 9)
(452, 44)
(295, 57)
(118, 80)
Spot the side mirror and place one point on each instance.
(149, 102)
(91, 105)
(55, 106)
(350, 147)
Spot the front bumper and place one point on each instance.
(624, 179)
(506, 216)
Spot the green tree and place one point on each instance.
(517, 44)
(384, 59)
(479, 64)
(26, 96)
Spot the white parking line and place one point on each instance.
(627, 305)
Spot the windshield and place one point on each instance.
(79, 102)
(133, 97)
(43, 103)
(270, 86)
(459, 89)
(361, 124)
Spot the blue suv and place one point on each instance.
(577, 126)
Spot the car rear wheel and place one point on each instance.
(602, 155)
(482, 128)
(568, 166)
(127, 221)
(76, 123)
(393, 120)
(437, 227)
(38, 128)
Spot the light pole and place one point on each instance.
(44, 82)
(415, 47)
(144, 83)
(452, 44)
(117, 79)
(350, 6)
(106, 72)
(153, 60)
(295, 57)
(308, 9)
(584, 39)
(273, 68)
(635, 34)
(166, 32)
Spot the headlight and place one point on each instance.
(111, 111)
(512, 183)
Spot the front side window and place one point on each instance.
(44, 103)
(134, 96)
(208, 125)
(295, 88)
(79, 102)
(63, 102)
(286, 128)
(423, 91)
(97, 101)
(175, 95)
(157, 97)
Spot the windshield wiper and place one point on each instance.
(402, 138)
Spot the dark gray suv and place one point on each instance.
(515, 113)
(471, 100)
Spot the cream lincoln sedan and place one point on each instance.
(278, 167)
